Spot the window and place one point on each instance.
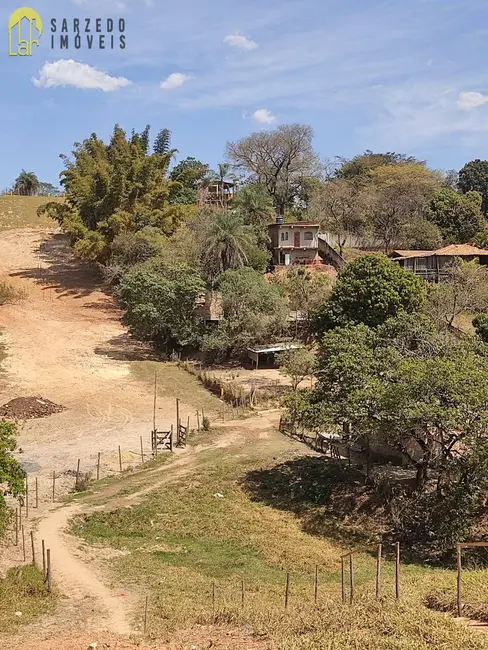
(284, 236)
(308, 236)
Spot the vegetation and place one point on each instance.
(23, 590)
(12, 476)
(298, 364)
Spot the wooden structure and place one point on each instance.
(268, 351)
(431, 265)
(182, 432)
(219, 193)
(459, 548)
(161, 440)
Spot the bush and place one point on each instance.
(480, 323)
(206, 423)
(10, 294)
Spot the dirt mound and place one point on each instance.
(27, 408)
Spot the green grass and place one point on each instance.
(183, 541)
(177, 383)
(22, 590)
(21, 212)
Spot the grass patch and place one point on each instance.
(175, 382)
(184, 540)
(22, 590)
(21, 212)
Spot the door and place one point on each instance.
(296, 239)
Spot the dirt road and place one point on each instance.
(65, 342)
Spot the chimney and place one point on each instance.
(279, 219)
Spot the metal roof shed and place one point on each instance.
(253, 353)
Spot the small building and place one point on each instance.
(294, 242)
(217, 193)
(266, 353)
(209, 307)
(431, 265)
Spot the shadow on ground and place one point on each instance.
(60, 271)
(328, 497)
(125, 348)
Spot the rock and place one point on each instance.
(92, 646)
(18, 614)
(218, 495)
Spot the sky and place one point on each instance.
(386, 75)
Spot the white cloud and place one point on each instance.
(467, 101)
(240, 41)
(175, 80)
(66, 72)
(263, 116)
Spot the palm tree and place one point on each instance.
(26, 184)
(227, 241)
(255, 204)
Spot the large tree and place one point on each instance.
(227, 242)
(457, 215)
(370, 290)
(26, 184)
(279, 159)
(474, 177)
(361, 166)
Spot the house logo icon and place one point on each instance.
(24, 31)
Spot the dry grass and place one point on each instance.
(464, 322)
(184, 540)
(21, 212)
(22, 590)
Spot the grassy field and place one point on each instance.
(21, 212)
(196, 545)
(22, 590)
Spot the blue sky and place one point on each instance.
(365, 74)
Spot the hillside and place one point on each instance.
(21, 212)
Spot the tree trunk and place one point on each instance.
(421, 477)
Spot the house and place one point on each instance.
(209, 307)
(431, 265)
(217, 193)
(294, 242)
(266, 353)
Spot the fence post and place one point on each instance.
(316, 585)
(198, 421)
(43, 559)
(23, 543)
(16, 526)
(343, 584)
(33, 548)
(351, 579)
(178, 417)
(397, 570)
(77, 474)
(98, 467)
(171, 440)
(142, 452)
(378, 572)
(287, 589)
(27, 496)
(459, 569)
(49, 575)
(37, 493)
(54, 483)
(120, 460)
(213, 596)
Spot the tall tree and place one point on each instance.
(474, 177)
(26, 184)
(458, 215)
(361, 166)
(227, 242)
(162, 143)
(278, 159)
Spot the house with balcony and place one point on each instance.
(299, 242)
(432, 265)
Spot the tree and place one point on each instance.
(361, 166)
(254, 313)
(47, 189)
(421, 234)
(458, 215)
(26, 184)
(12, 476)
(480, 323)
(278, 159)
(370, 290)
(464, 288)
(297, 364)
(339, 205)
(474, 177)
(189, 174)
(160, 303)
(162, 144)
(227, 242)
(398, 194)
(255, 205)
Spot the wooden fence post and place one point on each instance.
(49, 575)
(316, 584)
(120, 460)
(27, 496)
(287, 589)
(77, 474)
(343, 584)
(43, 559)
(23, 543)
(171, 440)
(16, 526)
(98, 467)
(378, 572)
(178, 418)
(397, 570)
(198, 421)
(459, 569)
(351, 579)
(33, 548)
(142, 452)
(54, 483)
(37, 493)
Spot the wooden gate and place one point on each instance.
(161, 440)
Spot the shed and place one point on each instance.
(259, 351)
